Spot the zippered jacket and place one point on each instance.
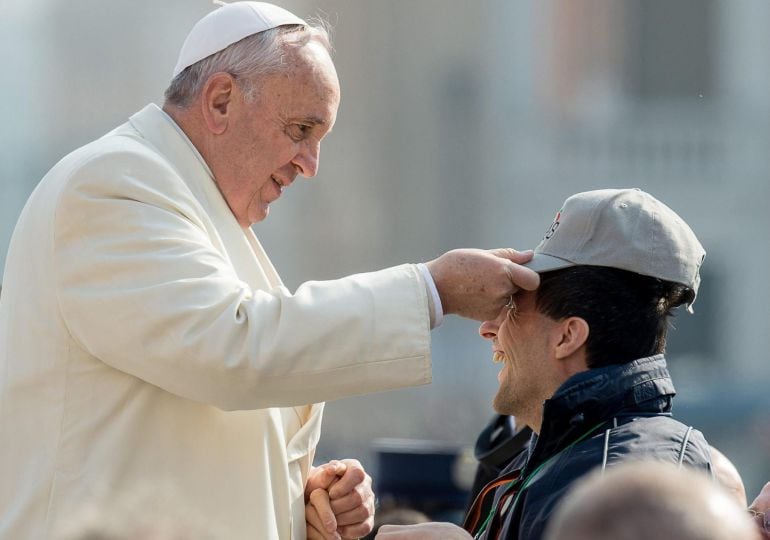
(596, 419)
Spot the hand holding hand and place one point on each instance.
(340, 501)
(476, 283)
(320, 519)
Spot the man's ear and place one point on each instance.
(573, 336)
(217, 102)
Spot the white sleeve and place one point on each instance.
(436, 309)
(142, 288)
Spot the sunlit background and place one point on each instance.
(466, 124)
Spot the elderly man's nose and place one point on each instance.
(306, 161)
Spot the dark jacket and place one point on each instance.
(597, 418)
(497, 446)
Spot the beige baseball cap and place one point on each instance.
(622, 228)
(228, 24)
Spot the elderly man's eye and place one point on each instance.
(297, 132)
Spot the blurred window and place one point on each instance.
(670, 51)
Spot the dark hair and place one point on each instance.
(627, 313)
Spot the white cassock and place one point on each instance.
(145, 338)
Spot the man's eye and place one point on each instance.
(298, 131)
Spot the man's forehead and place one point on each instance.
(304, 98)
(308, 57)
(524, 299)
(311, 75)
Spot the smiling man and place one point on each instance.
(145, 337)
(582, 359)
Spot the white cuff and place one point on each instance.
(434, 301)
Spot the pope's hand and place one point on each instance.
(476, 283)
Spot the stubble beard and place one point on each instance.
(516, 401)
(506, 401)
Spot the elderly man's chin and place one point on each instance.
(258, 212)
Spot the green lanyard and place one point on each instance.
(531, 478)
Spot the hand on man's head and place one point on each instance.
(477, 284)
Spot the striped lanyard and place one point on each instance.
(512, 486)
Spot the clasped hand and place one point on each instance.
(339, 501)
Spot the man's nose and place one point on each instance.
(488, 329)
(306, 160)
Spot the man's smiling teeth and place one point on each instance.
(498, 357)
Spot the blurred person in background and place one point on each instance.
(146, 335)
(728, 476)
(583, 362)
(644, 500)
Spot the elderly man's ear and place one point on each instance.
(217, 102)
(570, 338)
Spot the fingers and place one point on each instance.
(315, 527)
(352, 501)
(320, 510)
(358, 500)
(323, 519)
(518, 257)
(476, 283)
(314, 534)
(354, 509)
(340, 497)
(323, 476)
(353, 476)
(523, 277)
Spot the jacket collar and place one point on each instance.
(633, 384)
(591, 397)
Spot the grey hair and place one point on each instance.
(246, 60)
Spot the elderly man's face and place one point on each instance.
(278, 135)
(522, 341)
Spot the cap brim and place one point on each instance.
(545, 263)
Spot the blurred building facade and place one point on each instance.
(466, 124)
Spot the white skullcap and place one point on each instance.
(226, 25)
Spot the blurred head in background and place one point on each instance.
(643, 500)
